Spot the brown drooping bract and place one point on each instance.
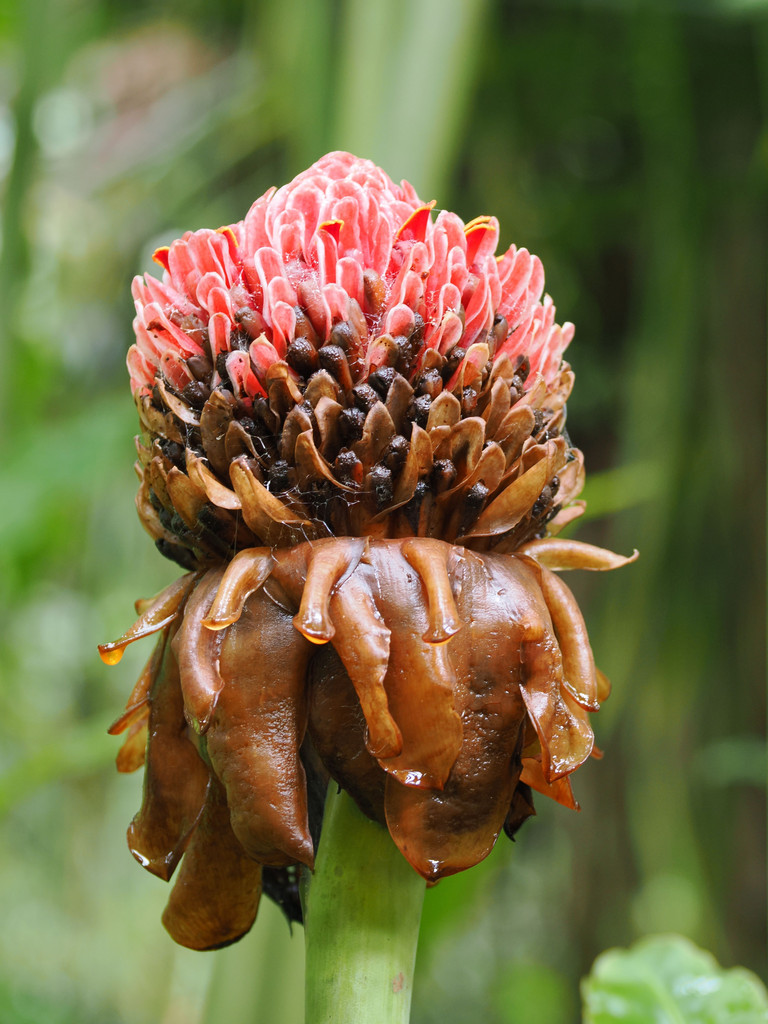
(353, 437)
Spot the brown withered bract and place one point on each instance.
(353, 440)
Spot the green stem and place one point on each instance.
(362, 920)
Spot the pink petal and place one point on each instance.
(232, 236)
(204, 286)
(322, 254)
(349, 275)
(242, 376)
(280, 289)
(449, 333)
(263, 354)
(142, 371)
(219, 331)
(482, 238)
(184, 273)
(337, 300)
(155, 319)
(254, 230)
(415, 227)
(175, 370)
(399, 321)
(349, 210)
(316, 306)
(283, 326)
(479, 314)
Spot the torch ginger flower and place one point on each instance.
(353, 439)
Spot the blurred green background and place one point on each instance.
(622, 142)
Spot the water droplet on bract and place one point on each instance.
(110, 654)
(144, 861)
(435, 866)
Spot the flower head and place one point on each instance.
(340, 245)
(353, 437)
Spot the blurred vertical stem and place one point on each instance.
(405, 76)
(300, 59)
(259, 978)
(33, 42)
(642, 634)
(362, 917)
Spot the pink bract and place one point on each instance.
(341, 242)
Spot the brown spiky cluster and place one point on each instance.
(417, 448)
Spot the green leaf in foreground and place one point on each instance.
(665, 979)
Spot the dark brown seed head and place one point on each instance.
(302, 357)
(498, 333)
(429, 383)
(365, 397)
(522, 367)
(375, 293)
(348, 468)
(304, 328)
(200, 367)
(443, 475)
(452, 363)
(405, 349)
(380, 483)
(474, 500)
(196, 394)
(468, 401)
(381, 380)
(341, 335)
(397, 453)
(351, 424)
(279, 476)
(333, 359)
(251, 321)
(419, 410)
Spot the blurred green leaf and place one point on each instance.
(80, 750)
(667, 980)
(733, 760)
(614, 490)
(48, 468)
(20, 1007)
(533, 992)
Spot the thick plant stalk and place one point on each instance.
(362, 917)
